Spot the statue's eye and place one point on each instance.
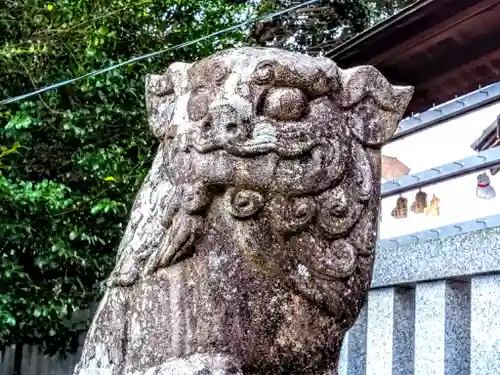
(264, 73)
(162, 86)
(219, 74)
(285, 104)
(198, 106)
(244, 203)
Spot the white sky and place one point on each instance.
(445, 143)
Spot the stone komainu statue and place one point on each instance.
(251, 242)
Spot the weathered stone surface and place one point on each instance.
(250, 245)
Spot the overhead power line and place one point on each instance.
(153, 54)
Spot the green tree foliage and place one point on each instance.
(72, 160)
(309, 27)
(382, 9)
(321, 26)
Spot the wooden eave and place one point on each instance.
(488, 139)
(444, 48)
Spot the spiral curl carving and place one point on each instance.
(244, 203)
(325, 259)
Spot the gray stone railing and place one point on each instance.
(434, 307)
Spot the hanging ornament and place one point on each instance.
(401, 209)
(420, 203)
(433, 208)
(484, 189)
(392, 168)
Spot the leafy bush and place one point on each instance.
(321, 26)
(72, 160)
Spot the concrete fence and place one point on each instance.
(35, 363)
(434, 309)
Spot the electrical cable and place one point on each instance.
(153, 54)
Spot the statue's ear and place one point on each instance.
(161, 93)
(374, 106)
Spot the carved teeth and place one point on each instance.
(264, 132)
(262, 139)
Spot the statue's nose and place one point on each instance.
(226, 120)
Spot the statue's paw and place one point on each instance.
(123, 279)
(128, 268)
(152, 263)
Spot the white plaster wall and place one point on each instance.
(445, 143)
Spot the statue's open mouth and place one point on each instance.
(265, 138)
